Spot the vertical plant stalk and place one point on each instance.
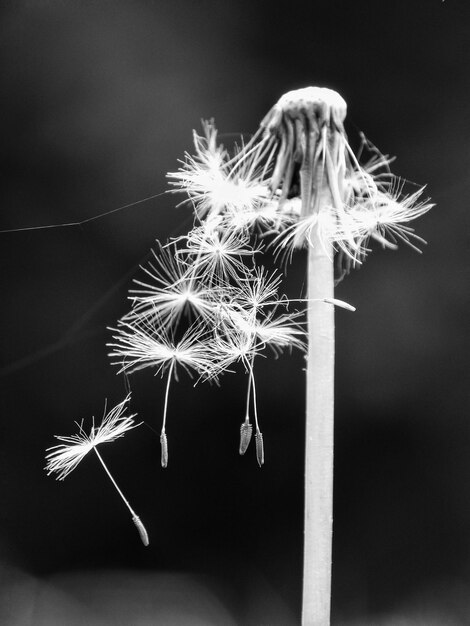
(318, 515)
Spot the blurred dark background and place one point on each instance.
(98, 102)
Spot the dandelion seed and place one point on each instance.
(218, 185)
(246, 335)
(232, 345)
(270, 217)
(174, 290)
(164, 447)
(217, 254)
(281, 332)
(141, 344)
(388, 213)
(256, 291)
(264, 329)
(246, 431)
(202, 174)
(300, 232)
(259, 448)
(340, 303)
(141, 530)
(163, 437)
(334, 301)
(64, 458)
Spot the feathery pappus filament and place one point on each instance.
(64, 458)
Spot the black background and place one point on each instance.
(98, 102)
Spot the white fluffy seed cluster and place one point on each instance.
(204, 303)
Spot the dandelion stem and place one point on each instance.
(319, 439)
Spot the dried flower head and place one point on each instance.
(306, 178)
(309, 125)
(345, 202)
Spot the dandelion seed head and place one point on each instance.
(319, 182)
(320, 102)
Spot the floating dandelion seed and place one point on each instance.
(257, 291)
(240, 346)
(218, 185)
(64, 458)
(282, 331)
(217, 253)
(246, 428)
(141, 344)
(173, 291)
(259, 448)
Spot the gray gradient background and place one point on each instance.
(98, 102)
